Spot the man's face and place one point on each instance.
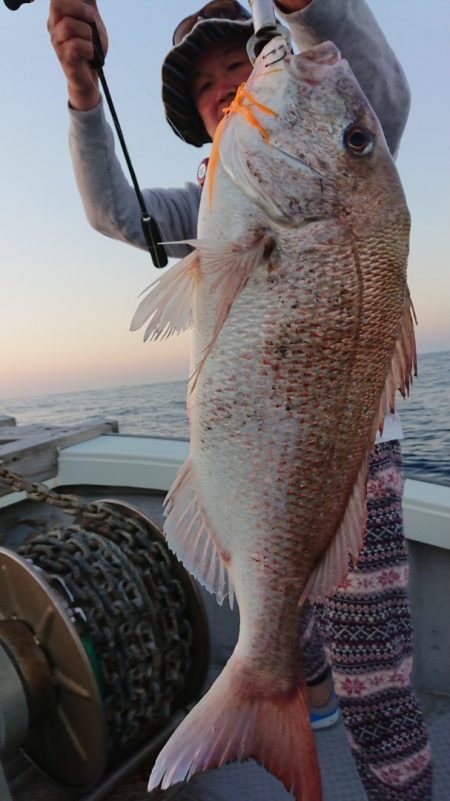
(216, 75)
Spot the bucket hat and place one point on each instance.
(215, 22)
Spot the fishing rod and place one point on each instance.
(149, 225)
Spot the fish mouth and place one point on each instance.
(310, 66)
(278, 52)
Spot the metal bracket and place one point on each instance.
(266, 27)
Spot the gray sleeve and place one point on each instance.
(109, 199)
(352, 27)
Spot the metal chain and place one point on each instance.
(36, 491)
(120, 587)
(134, 626)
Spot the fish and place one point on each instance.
(302, 332)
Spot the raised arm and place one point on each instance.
(351, 25)
(108, 197)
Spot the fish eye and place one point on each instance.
(358, 140)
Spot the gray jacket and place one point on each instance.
(109, 200)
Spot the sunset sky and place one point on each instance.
(67, 293)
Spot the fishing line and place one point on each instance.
(156, 101)
(150, 227)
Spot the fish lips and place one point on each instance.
(310, 66)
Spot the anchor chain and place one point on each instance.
(122, 591)
(36, 491)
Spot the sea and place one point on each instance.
(160, 410)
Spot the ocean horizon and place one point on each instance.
(159, 409)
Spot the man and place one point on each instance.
(366, 623)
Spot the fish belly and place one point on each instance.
(283, 411)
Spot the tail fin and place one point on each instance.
(234, 722)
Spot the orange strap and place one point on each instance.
(237, 106)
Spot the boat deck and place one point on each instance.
(250, 782)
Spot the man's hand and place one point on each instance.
(69, 26)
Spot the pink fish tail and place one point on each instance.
(236, 721)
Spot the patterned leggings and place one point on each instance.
(367, 630)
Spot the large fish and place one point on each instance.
(302, 332)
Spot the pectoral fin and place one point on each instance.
(231, 264)
(168, 304)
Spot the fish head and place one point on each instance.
(303, 143)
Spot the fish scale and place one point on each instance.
(302, 333)
(271, 378)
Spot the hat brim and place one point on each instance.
(181, 113)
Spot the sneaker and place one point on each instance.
(322, 717)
